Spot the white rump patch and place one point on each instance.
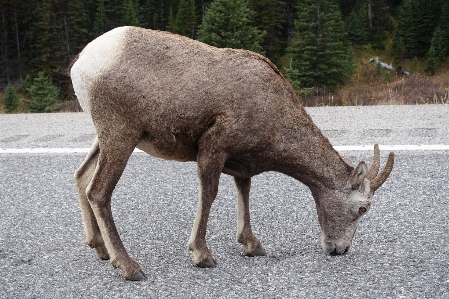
(94, 61)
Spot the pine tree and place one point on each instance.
(436, 52)
(438, 43)
(116, 12)
(416, 22)
(47, 40)
(149, 9)
(407, 28)
(5, 42)
(270, 18)
(398, 50)
(44, 95)
(414, 65)
(292, 76)
(90, 11)
(75, 29)
(171, 20)
(154, 13)
(193, 19)
(428, 19)
(444, 25)
(317, 50)
(15, 19)
(381, 18)
(228, 23)
(357, 28)
(101, 23)
(432, 62)
(129, 13)
(185, 20)
(140, 14)
(10, 99)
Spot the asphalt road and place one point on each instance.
(400, 249)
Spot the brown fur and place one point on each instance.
(229, 110)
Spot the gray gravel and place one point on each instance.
(400, 249)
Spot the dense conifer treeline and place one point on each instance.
(312, 39)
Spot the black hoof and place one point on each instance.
(207, 264)
(102, 253)
(333, 253)
(257, 252)
(136, 276)
(105, 257)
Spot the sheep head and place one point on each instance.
(339, 211)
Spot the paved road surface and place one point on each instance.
(400, 249)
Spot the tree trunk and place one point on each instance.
(370, 16)
(161, 18)
(6, 47)
(18, 48)
(202, 8)
(66, 33)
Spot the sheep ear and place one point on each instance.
(348, 161)
(358, 175)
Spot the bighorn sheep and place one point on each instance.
(229, 110)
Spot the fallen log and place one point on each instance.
(389, 66)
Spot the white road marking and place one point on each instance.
(43, 150)
(400, 147)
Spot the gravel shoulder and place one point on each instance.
(424, 124)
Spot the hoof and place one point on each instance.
(105, 257)
(136, 276)
(207, 264)
(102, 253)
(257, 252)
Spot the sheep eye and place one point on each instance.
(362, 210)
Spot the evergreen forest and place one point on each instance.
(321, 46)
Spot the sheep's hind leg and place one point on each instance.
(83, 176)
(245, 236)
(112, 160)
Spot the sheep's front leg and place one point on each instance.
(209, 170)
(112, 160)
(245, 236)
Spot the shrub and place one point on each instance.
(44, 95)
(10, 99)
(387, 77)
(378, 70)
(432, 62)
(357, 27)
(414, 65)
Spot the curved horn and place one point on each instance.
(383, 175)
(374, 168)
